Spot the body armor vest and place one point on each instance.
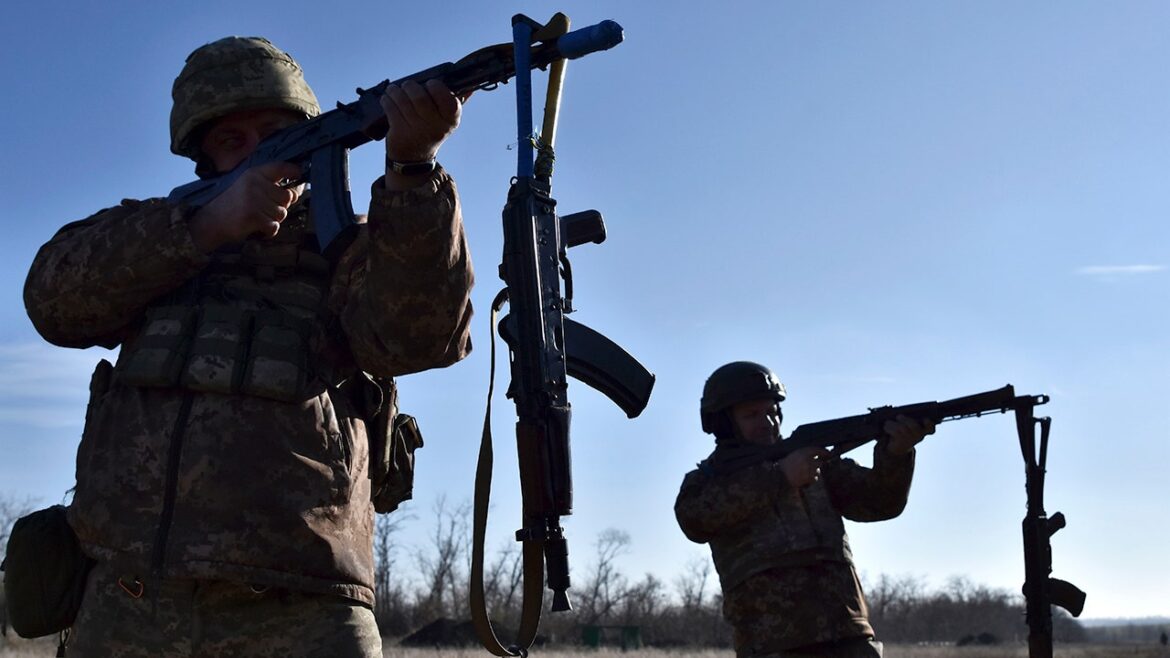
(800, 528)
(243, 325)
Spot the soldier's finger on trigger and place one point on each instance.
(294, 193)
(287, 197)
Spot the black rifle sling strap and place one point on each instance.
(533, 556)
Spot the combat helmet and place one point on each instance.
(230, 75)
(732, 383)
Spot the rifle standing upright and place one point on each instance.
(545, 347)
(1041, 591)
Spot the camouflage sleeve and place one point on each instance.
(95, 277)
(708, 505)
(403, 290)
(870, 494)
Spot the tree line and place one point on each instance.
(687, 611)
(419, 584)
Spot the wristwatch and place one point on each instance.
(412, 168)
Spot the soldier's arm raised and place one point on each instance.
(93, 279)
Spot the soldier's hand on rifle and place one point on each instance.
(905, 433)
(803, 467)
(255, 204)
(420, 117)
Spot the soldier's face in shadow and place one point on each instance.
(234, 137)
(757, 421)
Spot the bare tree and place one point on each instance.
(892, 602)
(692, 582)
(644, 601)
(443, 570)
(502, 581)
(12, 508)
(606, 587)
(390, 606)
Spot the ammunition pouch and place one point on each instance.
(397, 458)
(278, 357)
(44, 573)
(222, 349)
(393, 439)
(218, 350)
(159, 352)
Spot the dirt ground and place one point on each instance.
(13, 647)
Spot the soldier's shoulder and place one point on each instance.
(698, 476)
(123, 207)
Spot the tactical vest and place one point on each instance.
(800, 528)
(243, 326)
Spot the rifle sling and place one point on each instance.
(533, 592)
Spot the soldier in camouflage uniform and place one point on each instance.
(222, 474)
(775, 528)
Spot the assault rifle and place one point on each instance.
(841, 435)
(844, 434)
(545, 348)
(321, 145)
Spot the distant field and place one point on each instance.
(17, 648)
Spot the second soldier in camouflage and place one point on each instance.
(775, 528)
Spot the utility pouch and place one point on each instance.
(278, 356)
(218, 350)
(156, 357)
(397, 458)
(44, 573)
(393, 439)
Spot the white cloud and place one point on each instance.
(1120, 270)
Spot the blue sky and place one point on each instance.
(886, 202)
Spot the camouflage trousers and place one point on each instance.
(195, 618)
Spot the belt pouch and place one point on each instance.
(157, 354)
(218, 350)
(44, 573)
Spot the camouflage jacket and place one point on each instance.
(755, 521)
(241, 452)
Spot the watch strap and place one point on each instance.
(412, 168)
